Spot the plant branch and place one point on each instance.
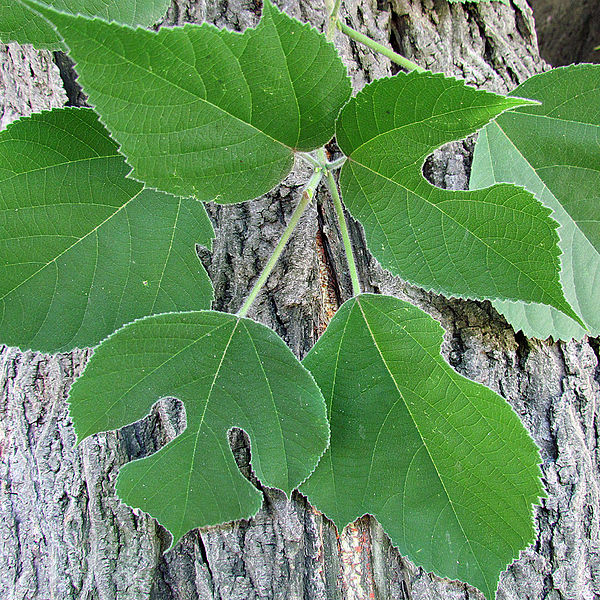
(333, 17)
(311, 160)
(307, 196)
(336, 164)
(321, 162)
(339, 211)
(393, 56)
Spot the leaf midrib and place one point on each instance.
(558, 119)
(421, 122)
(435, 359)
(160, 366)
(201, 422)
(78, 241)
(168, 257)
(289, 76)
(282, 437)
(463, 227)
(61, 164)
(171, 83)
(422, 438)
(518, 151)
(332, 394)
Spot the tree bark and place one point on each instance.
(569, 32)
(64, 533)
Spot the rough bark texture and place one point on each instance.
(568, 31)
(63, 532)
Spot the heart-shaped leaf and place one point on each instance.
(554, 151)
(443, 463)
(19, 23)
(493, 243)
(84, 250)
(228, 372)
(208, 112)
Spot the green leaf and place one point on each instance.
(84, 250)
(208, 112)
(554, 151)
(493, 243)
(228, 372)
(443, 463)
(24, 25)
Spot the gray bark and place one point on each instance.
(64, 533)
(568, 31)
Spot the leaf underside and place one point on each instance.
(83, 250)
(207, 112)
(554, 151)
(19, 23)
(442, 462)
(228, 372)
(493, 243)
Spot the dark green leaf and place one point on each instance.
(554, 151)
(19, 23)
(84, 250)
(208, 112)
(228, 372)
(443, 463)
(493, 243)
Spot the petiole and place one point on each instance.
(305, 200)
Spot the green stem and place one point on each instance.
(309, 159)
(339, 210)
(322, 162)
(336, 164)
(333, 17)
(393, 56)
(307, 196)
(322, 157)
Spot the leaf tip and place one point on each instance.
(517, 101)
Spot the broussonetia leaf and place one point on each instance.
(207, 112)
(553, 149)
(497, 243)
(228, 372)
(442, 462)
(22, 24)
(83, 249)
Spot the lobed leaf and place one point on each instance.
(207, 112)
(493, 243)
(554, 151)
(84, 250)
(228, 372)
(443, 463)
(22, 24)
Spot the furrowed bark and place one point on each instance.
(568, 31)
(64, 533)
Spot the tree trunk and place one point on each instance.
(568, 31)
(64, 533)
